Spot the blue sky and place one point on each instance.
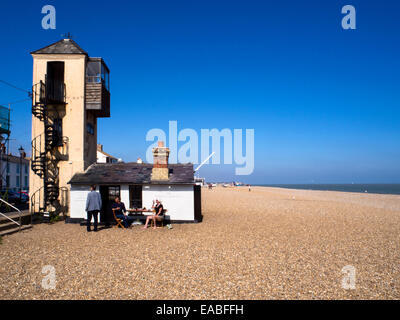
(323, 101)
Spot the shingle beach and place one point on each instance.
(269, 243)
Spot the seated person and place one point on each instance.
(159, 214)
(119, 209)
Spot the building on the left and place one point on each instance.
(70, 91)
(14, 172)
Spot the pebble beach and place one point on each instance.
(269, 243)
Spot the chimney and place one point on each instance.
(160, 167)
(99, 147)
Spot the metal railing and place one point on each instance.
(19, 214)
(48, 92)
(38, 93)
(55, 91)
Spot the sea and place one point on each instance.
(363, 188)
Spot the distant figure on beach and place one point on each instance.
(159, 213)
(119, 208)
(249, 188)
(210, 186)
(93, 206)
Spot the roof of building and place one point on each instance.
(14, 159)
(64, 46)
(131, 173)
(107, 154)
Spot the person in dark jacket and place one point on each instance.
(93, 207)
(120, 212)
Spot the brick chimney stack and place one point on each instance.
(99, 147)
(160, 158)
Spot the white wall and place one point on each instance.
(101, 157)
(178, 200)
(78, 201)
(125, 195)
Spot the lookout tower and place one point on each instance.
(70, 91)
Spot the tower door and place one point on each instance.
(55, 81)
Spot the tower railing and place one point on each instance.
(49, 147)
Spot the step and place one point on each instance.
(8, 225)
(14, 230)
(15, 216)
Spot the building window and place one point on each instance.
(113, 192)
(135, 196)
(110, 160)
(90, 128)
(26, 181)
(8, 167)
(17, 181)
(26, 169)
(18, 168)
(8, 181)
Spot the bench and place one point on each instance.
(161, 219)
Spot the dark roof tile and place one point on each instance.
(64, 46)
(131, 173)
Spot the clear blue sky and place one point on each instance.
(323, 101)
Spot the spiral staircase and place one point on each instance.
(48, 149)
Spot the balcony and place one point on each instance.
(98, 88)
(49, 92)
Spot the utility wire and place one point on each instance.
(15, 87)
(15, 102)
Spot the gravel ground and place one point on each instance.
(265, 244)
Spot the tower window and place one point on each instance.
(90, 128)
(97, 72)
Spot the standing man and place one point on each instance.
(93, 206)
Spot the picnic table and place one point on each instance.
(140, 212)
(140, 215)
